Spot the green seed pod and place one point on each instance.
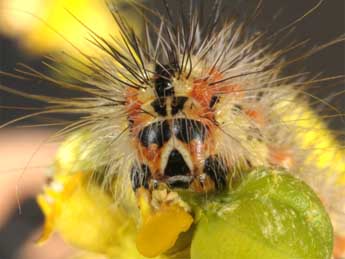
(270, 215)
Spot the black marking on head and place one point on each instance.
(156, 133)
(178, 104)
(182, 183)
(217, 171)
(163, 83)
(187, 130)
(160, 107)
(214, 100)
(176, 165)
(140, 176)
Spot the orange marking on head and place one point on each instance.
(235, 90)
(256, 115)
(133, 107)
(152, 157)
(132, 102)
(203, 92)
(152, 152)
(197, 152)
(223, 88)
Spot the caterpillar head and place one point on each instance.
(174, 128)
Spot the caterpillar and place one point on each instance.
(176, 127)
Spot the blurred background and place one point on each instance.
(32, 29)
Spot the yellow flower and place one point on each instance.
(48, 25)
(86, 216)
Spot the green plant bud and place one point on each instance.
(270, 214)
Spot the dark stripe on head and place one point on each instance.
(179, 183)
(178, 104)
(187, 130)
(163, 83)
(160, 107)
(156, 133)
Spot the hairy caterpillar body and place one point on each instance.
(190, 108)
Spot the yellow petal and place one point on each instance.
(160, 230)
(49, 222)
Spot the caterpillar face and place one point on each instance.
(174, 129)
(191, 104)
